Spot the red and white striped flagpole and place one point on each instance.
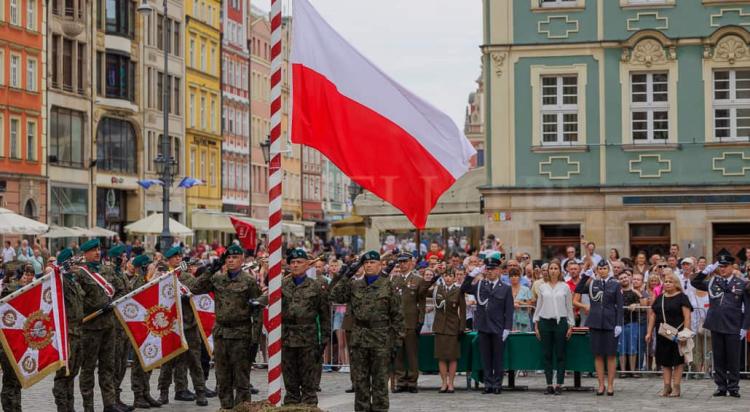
(274, 214)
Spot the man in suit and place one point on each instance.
(725, 320)
(493, 320)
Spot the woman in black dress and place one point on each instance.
(675, 306)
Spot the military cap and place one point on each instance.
(602, 263)
(371, 255)
(116, 251)
(404, 257)
(492, 262)
(172, 252)
(296, 254)
(725, 260)
(141, 260)
(90, 244)
(235, 250)
(64, 255)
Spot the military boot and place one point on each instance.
(210, 393)
(200, 398)
(164, 397)
(151, 401)
(184, 395)
(140, 402)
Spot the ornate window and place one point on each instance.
(649, 107)
(559, 109)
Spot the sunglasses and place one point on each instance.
(662, 266)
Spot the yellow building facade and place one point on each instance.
(203, 104)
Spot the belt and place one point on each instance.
(371, 324)
(235, 324)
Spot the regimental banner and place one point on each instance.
(152, 317)
(34, 331)
(203, 307)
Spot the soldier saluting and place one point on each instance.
(304, 304)
(234, 290)
(377, 330)
(726, 322)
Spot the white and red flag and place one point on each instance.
(152, 317)
(34, 330)
(382, 136)
(203, 307)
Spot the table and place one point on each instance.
(523, 351)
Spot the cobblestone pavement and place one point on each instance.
(631, 394)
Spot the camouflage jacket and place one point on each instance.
(188, 316)
(74, 297)
(303, 307)
(231, 302)
(119, 281)
(95, 298)
(377, 319)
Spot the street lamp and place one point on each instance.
(265, 147)
(354, 190)
(165, 164)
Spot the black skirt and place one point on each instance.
(603, 342)
(667, 352)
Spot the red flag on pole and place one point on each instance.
(152, 318)
(34, 333)
(245, 232)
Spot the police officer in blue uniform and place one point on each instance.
(725, 320)
(493, 319)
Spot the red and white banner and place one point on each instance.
(246, 233)
(203, 307)
(381, 135)
(152, 317)
(34, 330)
(99, 279)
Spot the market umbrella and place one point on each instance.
(59, 232)
(12, 223)
(97, 231)
(152, 225)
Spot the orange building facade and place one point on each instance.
(23, 187)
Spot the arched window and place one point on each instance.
(29, 210)
(117, 148)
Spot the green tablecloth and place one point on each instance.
(524, 352)
(427, 361)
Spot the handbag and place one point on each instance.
(666, 330)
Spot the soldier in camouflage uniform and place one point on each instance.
(234, 290)
(178, 367)
(10, 395)
(378, 329)
(304, 306)
(64, 387)
(113, 270)
(98, 333)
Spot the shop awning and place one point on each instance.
(349, 226)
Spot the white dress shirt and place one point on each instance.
(555, 303)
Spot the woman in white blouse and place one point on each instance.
(553, 324)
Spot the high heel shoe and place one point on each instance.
(600, 393)
(666, 391)
(675, 391)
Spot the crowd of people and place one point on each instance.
(363, 314)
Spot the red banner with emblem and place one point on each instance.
(203, 307)
(246, 233)
(34, 330)
(152, 317)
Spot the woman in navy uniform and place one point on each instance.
(725, 320)
(448, 327)
(605, 321)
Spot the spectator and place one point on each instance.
(614, 256)
(672, 308)
(672, 264)
(37, 262)
(435, 251)
(27, 276)
(640, 265)
(579, 302)
(522, 302)
(24, 252)
(590, 248)
(631, 338)
(9, 254)
(674, 251)
(640, 288)
(553, 324)
(570, 255)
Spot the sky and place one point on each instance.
(429, 46)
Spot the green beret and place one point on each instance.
(64, 255)
(296, 254)
(371, 255)
(234, 250)
(141, 260)
(173, 252)
(116, 251)
(90, 244)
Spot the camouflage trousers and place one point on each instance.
(99, 354)
(63, 388)
(232, 363)
(122, 349)
(178, 367)
(10, 395)
(139, 380)
(300, 367)
(370, 374)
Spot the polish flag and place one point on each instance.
(385, 138)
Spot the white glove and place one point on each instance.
(711, 268)
(743, 334)
(506, 332)
(618, 331)
(475, 272)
